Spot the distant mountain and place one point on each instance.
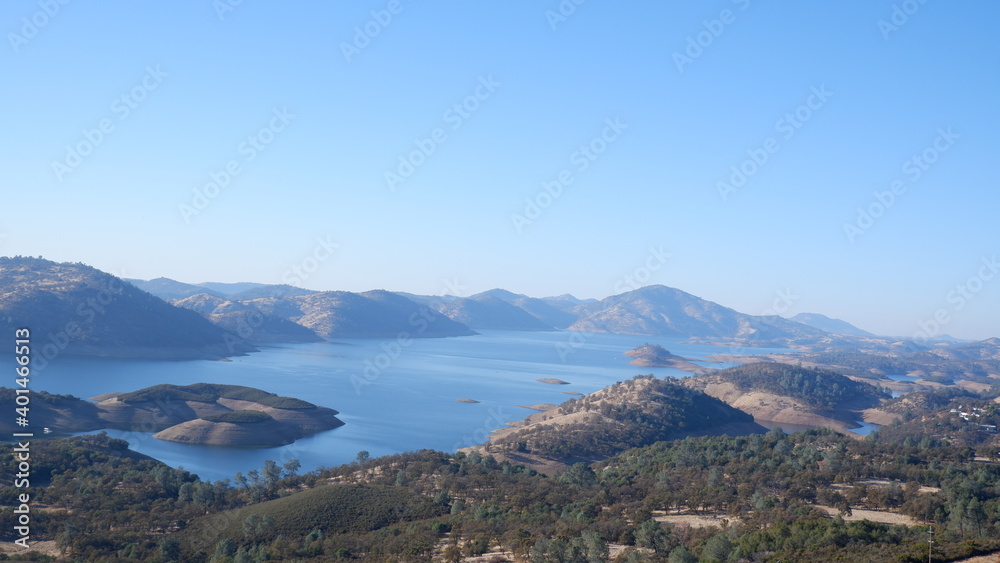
(831, 325)
(373, 314)
(77, 309)
(629, 414)
(658, 310)
(167, 289)
(566, 302)
(230, 288)
(540, 309)
(246, 321)
(487, 312)
(280, 290)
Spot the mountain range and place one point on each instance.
(164, 318)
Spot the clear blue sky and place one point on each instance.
(553, 85)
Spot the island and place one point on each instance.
(656, 356)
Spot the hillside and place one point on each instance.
(658, 310)
(488, 312)
(60, 413)
(80, 310)
(330, 510)
(372, 314)
(245, 321)
(783, 393)
(541, 309)
(629, 414)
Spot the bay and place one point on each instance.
(393, 396)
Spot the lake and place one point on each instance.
(393, 397)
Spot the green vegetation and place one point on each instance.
(209, 392)
(243, 416)
(330, 509)
(819, 388)
(425, 506)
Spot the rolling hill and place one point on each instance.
(783, 393)
(629, 414)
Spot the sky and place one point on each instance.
(773, 157)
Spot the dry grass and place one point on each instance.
(873, 516)
(703, 520)
(46, 547)
(991, 558)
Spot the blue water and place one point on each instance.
(393, 397)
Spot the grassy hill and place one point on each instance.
(794, 395)
(331, 509)
(629, 414)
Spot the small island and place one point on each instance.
(656, 356)
(552, 381)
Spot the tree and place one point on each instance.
(170, 549)
(717, 548)
(682, 555)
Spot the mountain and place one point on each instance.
(372, 314)
(246, 321)
(80, 310)
(488, 312)
(566, 302)
(538, 308)
(783, 393)
(833, 326)
(168, 289)
(281, 290)
(229, 288)
(629, 414)
(658, 310)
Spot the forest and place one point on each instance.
(774, 497)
